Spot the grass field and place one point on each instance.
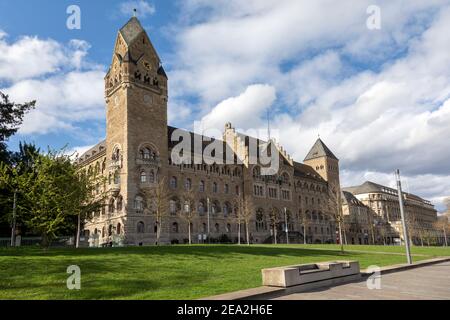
(169, 272)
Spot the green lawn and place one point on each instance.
(169, 272)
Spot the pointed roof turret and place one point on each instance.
(131, 30)
(320, 150)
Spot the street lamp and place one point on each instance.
(402, 212)
(286, 225)
(13, 223)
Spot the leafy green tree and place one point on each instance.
(22, 161)
(11, 117)
(53, 194)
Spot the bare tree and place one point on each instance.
(442, 225)
(371, 225)
(189, 211)
(245, 214)
(335, 204)
(158, 199)
(274, 218)
(304, 221)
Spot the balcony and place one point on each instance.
(156, 162)
(115, 165)
(114, 189)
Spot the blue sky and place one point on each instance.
(379, 97)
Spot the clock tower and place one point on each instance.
(136, 116)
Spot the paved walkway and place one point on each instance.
(430, 282)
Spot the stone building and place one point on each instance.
(358, 221)
(138, 154)
(383, 202)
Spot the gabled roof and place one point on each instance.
(320, 150)
(98, 149)
(131, 30)
(348, 198)
(372, 187)
(304, 171)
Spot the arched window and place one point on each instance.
(119, 203)
(226, 209)
(140, 227)
(188, 184)
(215, 188)
(226, 188)
(139, 204)
(202, 186)
(110, 230)
(187, 206)
(111, 206)
(217, 227)
(228, 228)
(151, 176)
(173, 182)
(116, 177)
(201, 208)
(215, 207)
(173, 207)
(119, 228)
(256, 172)
(116, 155)
(205, 228)
(143, 177)
(147, 154)
(260, 224)
(175, 227)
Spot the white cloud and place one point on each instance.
(76, 152)
(144, 8)
(68, 88)
(243, 110)
(31, 57)
(379, 99)
(62, 100)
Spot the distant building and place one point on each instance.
(358, 221)
(383, 202)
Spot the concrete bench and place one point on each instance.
(311, 273)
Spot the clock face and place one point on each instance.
(148, 99)
(147, 65)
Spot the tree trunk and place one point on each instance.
(341, 241)
(158, 231)
(275, 234)
(445, 237)
(239, 233)
(45, 242)
(247, 234)
(189, 231)
(304, 233)
(77, 244)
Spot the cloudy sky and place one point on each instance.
(379, 98)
